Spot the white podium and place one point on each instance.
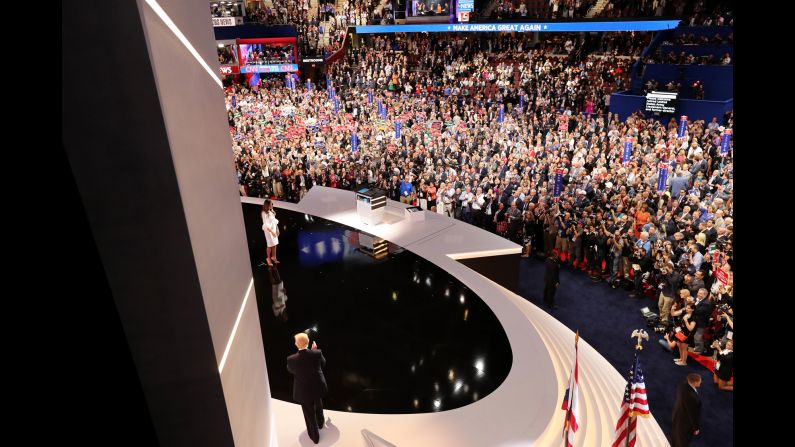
(371, 205)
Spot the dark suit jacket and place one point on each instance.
(711, 235)
(551, 273)
(309, 384)
(702, 312)
(671, 284)
(686, 415)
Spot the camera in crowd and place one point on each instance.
(652, 319)
(684, 261)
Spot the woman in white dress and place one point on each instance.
(270, 226)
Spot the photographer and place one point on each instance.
(671, 282)
(616, 244)
(724, 366)
(703, 310)
(601, 251)
(550, 230)
(528, 232)
(562, 232)
(641, 263)
(575, 246)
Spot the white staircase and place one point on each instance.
(597, 8)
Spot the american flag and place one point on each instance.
(633, 404)
(571, 400)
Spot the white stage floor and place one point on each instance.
(525, 409)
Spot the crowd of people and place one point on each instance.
(684, 58)
(485, 125)
(695, 90)
(693, 11)
(284, 12)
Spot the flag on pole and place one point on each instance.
(633, 404)
(571, 400)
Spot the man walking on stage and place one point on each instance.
(309, 384)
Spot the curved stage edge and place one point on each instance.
(525, 409)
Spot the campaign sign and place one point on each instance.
(682, 126)
(724, 143)
(662, 177)
(722, 276)
(627, 151)
(558, 183)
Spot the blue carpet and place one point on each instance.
(605, 318)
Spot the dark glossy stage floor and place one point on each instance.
(399, 334)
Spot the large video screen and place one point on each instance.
(267, 54)
(463, 10)
(661, 102)
(428, 8)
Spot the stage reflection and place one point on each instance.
(399, 334)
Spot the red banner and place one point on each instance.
(722, 276)
(229, 69)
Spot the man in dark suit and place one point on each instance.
(309, 384)
(551, 279)
(702, 312)
(687, 412)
